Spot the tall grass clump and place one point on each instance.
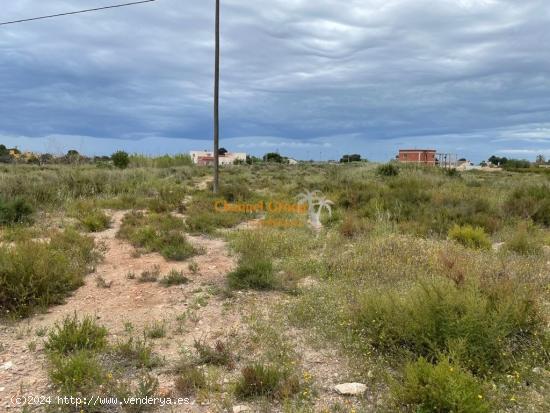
(91, 218)
(253, 272)
(72, 335)
(485, 326)
(530, 201)
(16, 211)
(388, 169)
(35, 275)
(470, 237)
(526, 240)
(160, 233)
(261, 380)
(76, 374)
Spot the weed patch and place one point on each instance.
(259, 380)
(17, 211)
(160, 233)
(174, 277)
(470, 237)
(253, 272)
(35, 275)
(73, 335)
(219, 355)
(189, 380)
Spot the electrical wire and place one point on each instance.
(76, 12)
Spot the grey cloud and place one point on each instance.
(382, 71)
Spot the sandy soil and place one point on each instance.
(127, 302)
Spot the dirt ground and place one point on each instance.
(130, 304)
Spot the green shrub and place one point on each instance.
(174, 278)
(120, 159)
(259, 380)
(160, 233)
(35, 275)
(73, 335)
(443, 387)
(78, 374)
(470, 237)
(388, 169)
(531, 202)
(95, 220)
(485, 327)
(525, 241)
(16, 211)
(253, 272)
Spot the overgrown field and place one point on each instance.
(434, 286)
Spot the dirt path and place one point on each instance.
(130, 305)
(126, 303)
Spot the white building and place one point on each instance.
(207, 157)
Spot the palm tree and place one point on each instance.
(216, 184)
(309, 198)
(322, 203)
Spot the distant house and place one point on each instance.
(206, 158)
(419, 156)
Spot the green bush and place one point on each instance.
(531, 202)
(484, 326)
(35, 275)
(96, 221)
(443, 387)
(253, 272)
(73, 335)
(77, 374)
(388, 169)
(15, 212)
(525, 241)
(160, 233)
(120, 159)
(470, 237)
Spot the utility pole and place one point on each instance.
(216, 185)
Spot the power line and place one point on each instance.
(77, 12)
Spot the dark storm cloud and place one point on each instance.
(367, 74)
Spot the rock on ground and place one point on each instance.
(350, 389)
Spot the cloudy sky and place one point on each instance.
(311, 79)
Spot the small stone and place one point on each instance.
(2, 389)
(7, 365)
(351, 389)
(241, 408)
(538, 370)
(498, 246)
